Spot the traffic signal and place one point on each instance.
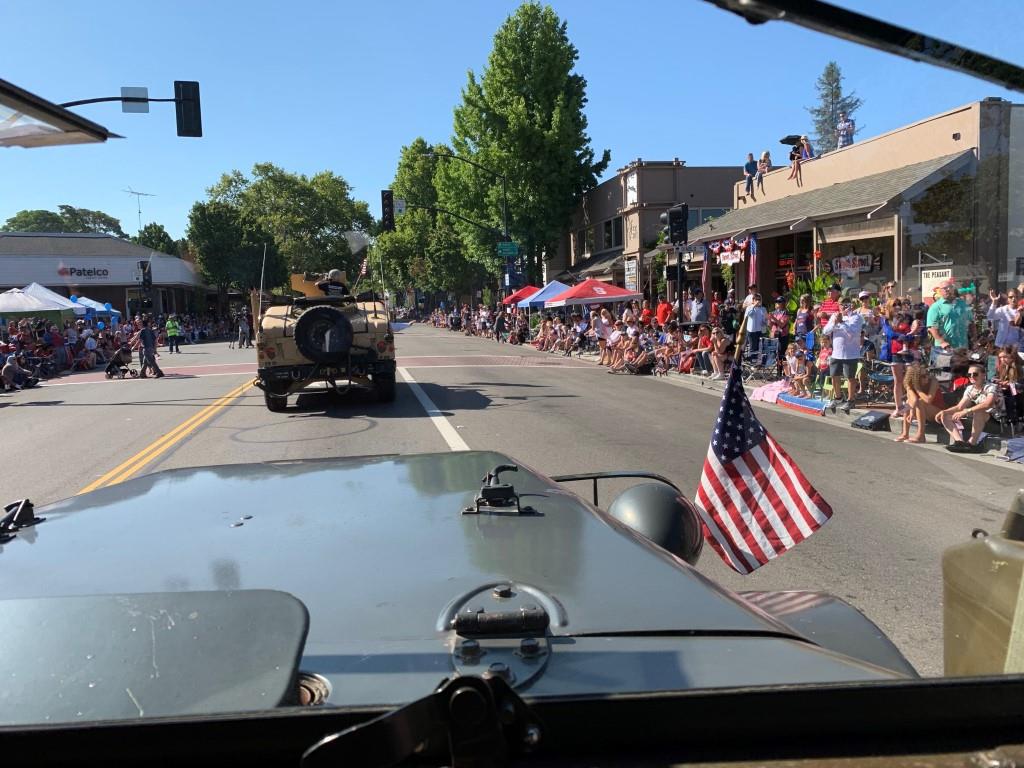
(665, 232)
(387, 210)
(147, 275)
(678, 219)
(186, 106)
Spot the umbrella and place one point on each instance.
(522, 293)
(17, 303)
(537, 300)
(52, 297)
(592, 292)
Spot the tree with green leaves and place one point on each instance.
(522, 120)
(307, 217)
(67, 219)
(34, 221)
(424, 251)
(831, 102)
(154, 236)
(228, 248)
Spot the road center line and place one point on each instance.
(127, 468)
(454, 440)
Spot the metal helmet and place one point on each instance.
(335, 275)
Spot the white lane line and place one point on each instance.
(454, 440)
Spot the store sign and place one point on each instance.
(930, 279)
(631, 276)
(852, 264)
(83, 272)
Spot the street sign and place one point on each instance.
(506, 248)
(399, 206)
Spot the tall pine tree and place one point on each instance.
(831, 101)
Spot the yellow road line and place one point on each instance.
(127, 468)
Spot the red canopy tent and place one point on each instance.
(522, 293)
(592, 292)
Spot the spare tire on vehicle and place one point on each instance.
(323, 334)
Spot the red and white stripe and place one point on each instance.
(758, 506)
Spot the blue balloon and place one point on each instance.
(100, 324)
(108, 306)
(74, 297)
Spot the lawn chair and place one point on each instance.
(762, 364)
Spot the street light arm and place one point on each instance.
(445, 211)
(465, 160)
(485, 169)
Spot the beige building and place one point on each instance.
(940, 197)
(618, 221)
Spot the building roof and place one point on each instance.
(77, 244)
(601, 264)
(845, 197)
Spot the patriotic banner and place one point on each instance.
(753, 500)
(741, 243)
(715, 246)
(727, 246)
(752, 264)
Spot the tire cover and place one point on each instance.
(324, 335)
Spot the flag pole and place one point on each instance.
(741, 337)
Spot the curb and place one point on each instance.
(700, 384)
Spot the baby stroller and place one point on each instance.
(120, 364)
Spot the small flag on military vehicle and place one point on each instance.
(753, 500)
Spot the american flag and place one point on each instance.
(752, 264)
(754, 501)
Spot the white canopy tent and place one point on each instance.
(45, 294)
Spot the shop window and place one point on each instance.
(606, 235)
(617, 232)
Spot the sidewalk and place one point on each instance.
(936, 437)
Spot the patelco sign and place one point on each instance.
(89, 273)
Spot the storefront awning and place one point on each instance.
(868, 194)
(595, 266)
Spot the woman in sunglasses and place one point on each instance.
(981, 400)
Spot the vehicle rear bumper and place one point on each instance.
(277, 377)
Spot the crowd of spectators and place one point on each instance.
(953, 363)
(33, 349)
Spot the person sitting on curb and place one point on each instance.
(981, 400)
(924, 402)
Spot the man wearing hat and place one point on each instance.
(948, 319)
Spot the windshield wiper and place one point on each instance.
(864, 30)
(481, 719)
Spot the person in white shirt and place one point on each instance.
(845, 328)
(1004, 318)
(751, 293)
(756, 317)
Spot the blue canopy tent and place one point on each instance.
(549, 291)
(97, 308)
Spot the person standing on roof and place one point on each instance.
(845, 129)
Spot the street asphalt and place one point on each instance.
(897, 506)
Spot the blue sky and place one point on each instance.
(342, 86)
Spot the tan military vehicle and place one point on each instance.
(323, 338)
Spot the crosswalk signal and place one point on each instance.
(387, 210)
